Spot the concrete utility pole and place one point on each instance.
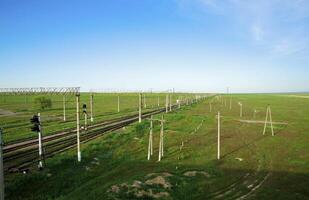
(218, 150)
(268, 112)
(91, 108)
(140, 108)
(161, 149)
(166, 103)
(79, 157)
(64, 118)
(1, 168)
(40, 166)
(240, 114)
(150, 149)
(118, 103)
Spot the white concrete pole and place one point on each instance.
(271, 122)
(265, 121)
(77, 129)
(118, 103)
(160, 146)
(145, 105)
(162, 130)
(64, 117)
(218, 150)
(40, 166)
(91, 108)
(140, 108)
(240, 111)
(1, 168)
(150, 140)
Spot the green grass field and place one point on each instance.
(16, 111)
(252, 166)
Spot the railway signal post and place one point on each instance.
(91, 107)
(1, 168)
(36, 121)
(85, 116)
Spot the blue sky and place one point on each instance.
(189, 45)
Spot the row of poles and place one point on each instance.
(268, 120)
(142, 100)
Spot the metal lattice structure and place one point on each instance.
(41, 90)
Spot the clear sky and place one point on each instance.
(189, 45)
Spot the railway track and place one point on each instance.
(19, 156)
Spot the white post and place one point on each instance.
(265, 121)
(240, 107)
(271, 122)
(145, 105)
(77, 129)
(161, 141)
(64, 118)
(40, 166)
(118, 103)
(150, 139)
(218, 151)
(162, 130)
(91, 108)
(1, 168)
(140, 108)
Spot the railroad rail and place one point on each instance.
(19, 156)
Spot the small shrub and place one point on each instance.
(42, 103)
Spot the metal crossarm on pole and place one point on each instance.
(41, 90)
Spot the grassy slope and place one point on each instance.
(122, 156)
